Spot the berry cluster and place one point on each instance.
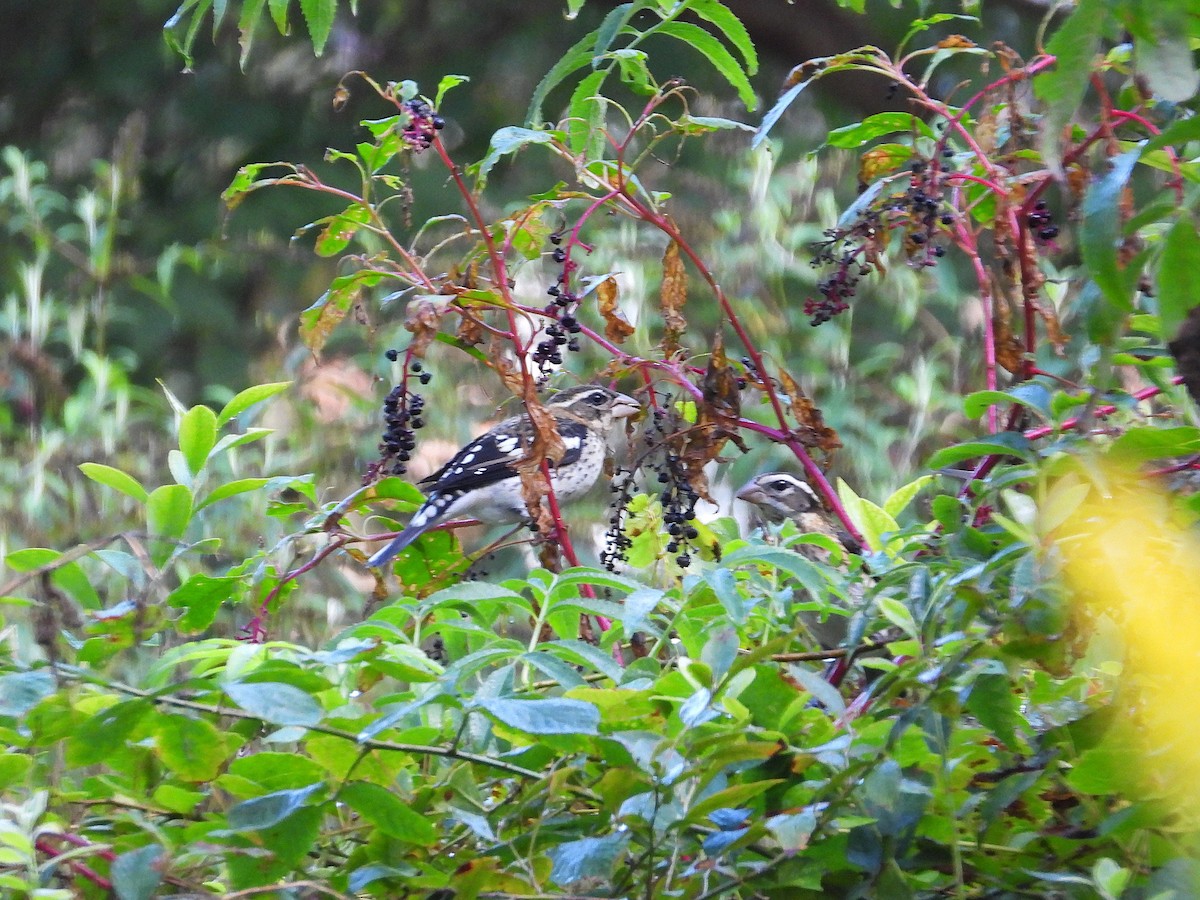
(563, 326)
(677, 496)
(616, 541)
(1041, 223)
(402, 417)
(921, 212)
(423, 124)
(921, 205)
(843, 250)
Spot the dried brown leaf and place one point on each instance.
(616, 326)
(547, 445)
(1010, 351)
(813, 431)
(717, 414)
(503, 366)
(955, 42)
(880, 161)
(672, 298)
(424, 319)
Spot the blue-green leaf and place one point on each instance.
(555, 715)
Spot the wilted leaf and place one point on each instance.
(672, 297)
(813, 430)
(547, 445)
(616, 326)
(955, 42)
(424, 318)
(1010, 352)
(717, 417)
(882, 160)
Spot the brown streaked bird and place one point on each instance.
(778, 497)
(481, 479)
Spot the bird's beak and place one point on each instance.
(751, 493)
(625, 406)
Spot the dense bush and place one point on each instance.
(205, 692)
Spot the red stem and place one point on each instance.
(82, 868)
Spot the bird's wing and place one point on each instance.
(491, 456)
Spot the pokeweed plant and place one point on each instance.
(692, 748)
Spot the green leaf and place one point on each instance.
(243, 400)
(445, 85)
(507, 140)
(822, 691)
(1100, 232)
(715, 51)
(197, 435)
(137, 874)
(609, 29)
(21, 691)
(252, 11)
(899, 615)
(731, 27)
(993, 702)
(872, 521)
(903, 495)
(201, 595)
(190, 747)
(277, 703)
(1164, 56)
(590, 857)
(557, 715)
(269, 809)
(1031, 395)
(1142, 444)
(388, 813)
(1177, 269)
(1006, 443)
(586, 114)
(851, 136)
(68, 576)
(168, 511)
(341, 228)
(115, 479)
(318, 16)
(279, 14)
(586, 654)
(232, 489)
(1075, 44)
(576, 58)
(237, 440)
(103, 736)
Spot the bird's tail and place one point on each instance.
(386, 554)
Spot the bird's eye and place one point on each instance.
(596, 399)
(781, 484)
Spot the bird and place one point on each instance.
(779, 496)
(482, 478)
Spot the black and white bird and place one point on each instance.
(481, 478)
(778, 496)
